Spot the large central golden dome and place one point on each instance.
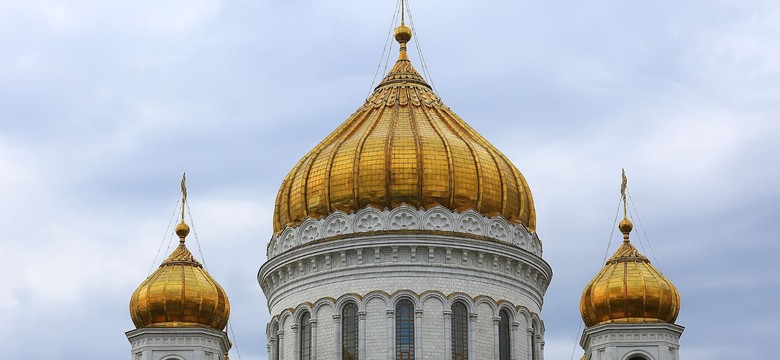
(403, 146)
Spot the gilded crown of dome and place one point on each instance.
(403, 146)
(629, 290)
(180, 293)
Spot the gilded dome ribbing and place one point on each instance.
(403, 145)
(629, 290)
(180, 293)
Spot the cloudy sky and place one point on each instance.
(103, 104)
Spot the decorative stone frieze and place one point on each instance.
(404, 217)
(393, 255)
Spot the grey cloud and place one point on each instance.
(104, 105)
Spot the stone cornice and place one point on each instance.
(181, 337)
(414, 252)
(404, 218)
(625, 332)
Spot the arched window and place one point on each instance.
(404, 330)
(504, 337)
(637, 357)
(305, 334)
(460, 331)
(349, 332)
(275, 335)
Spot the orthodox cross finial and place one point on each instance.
(625, 225)
(183, 194)
(182, 230)
(623, 193)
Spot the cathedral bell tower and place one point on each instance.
(630, 307)
(179, 311)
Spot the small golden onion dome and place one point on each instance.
(403, 146)
(629, 290)
(180, 293)
(182, 230)
(625, 227)
(403, 34)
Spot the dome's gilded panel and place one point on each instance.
(403, 146)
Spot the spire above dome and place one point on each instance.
(403, 146)
(629, 289)
(403, 72)
(180, 293)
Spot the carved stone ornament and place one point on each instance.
(404, 217)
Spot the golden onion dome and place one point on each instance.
(403, 146)
(180, 293)
(629, 290)
(403, 34)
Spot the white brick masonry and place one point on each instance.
(191, 343)
(651, 341)
(376, 268)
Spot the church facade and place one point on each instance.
(405, 235)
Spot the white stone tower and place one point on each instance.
(629, 308)
(179, 311)
(405, 235)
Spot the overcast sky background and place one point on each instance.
(103, 104)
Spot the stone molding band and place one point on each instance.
(419, 253)
(404, 217)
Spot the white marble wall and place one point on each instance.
(193, 343)
(651, 341)
(432, 257)
(432, 329)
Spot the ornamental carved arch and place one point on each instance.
(300, 310)
(285, 318)
(287, 240)
(403, 217)
(434, 294)
(336, 223)
(439, 219)
(464, 299)
(510, 309)
(500, 229)
(408, 295)
(520, 237)
(349, 298)
(487, 300)
(537, 324)
(271, 250)
(634, 354)
(308, 231)
(173, 357)
(472, 222)
(328, 301)
(273, 324)
(368, 219)
(377, 294)
(524, 314)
